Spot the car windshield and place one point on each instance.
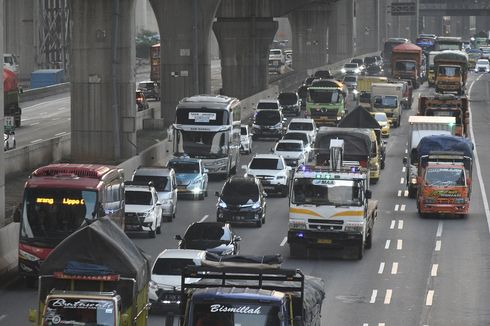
(240, 193)
(137, 197)
(267, 118)
(208, 232)
(266, 164)
(304, 126)
(267, 106)
(351, 65)
(184, 167)
(147, 86)
(288, 98)
(380, 117)
(324, 96)
(482, 62)
(234, 313)
(289, 147)
(358, 61)
(445, 177)
(171, 266)
(369, 60)
(327, 192)
(79, 311)
(385, 102)
(297, 136)
(160, 183)
(243, 131)
(350, 79)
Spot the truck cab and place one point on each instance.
(325, 105)
(388, 98)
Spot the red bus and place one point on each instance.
(61, 198)
(155, 63)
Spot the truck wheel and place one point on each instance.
(412, 192)
(369, 240)
(399, 121)
(152, 233)
(297, 251)
(258, 223)
(359, 250)
(17, 122)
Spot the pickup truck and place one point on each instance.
(277, 59)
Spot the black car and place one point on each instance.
(308, 80)
(374, 70)
(215, 237)
(302, 93)
(268, 124)
(242, 200)
(150, 88)
(290, 103)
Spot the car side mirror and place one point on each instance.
(238, 238)
(405, 160)
(244, 167)
(206, 171)
(216, 193)
(369, 194)
(178, 237)
(264, 194)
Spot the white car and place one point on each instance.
(482, 65)
(245, 140)
(292, 151)
(304, 125)
(8, 140)
(143, 211)
(164, 289)
(350, 69)
(272, 171)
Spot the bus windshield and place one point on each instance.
(323, 96)
(235, 313)
(77, 311)
(326, 192)
(56, 213)
(201, 144)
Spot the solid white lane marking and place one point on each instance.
(399, 193)
(439, 230)
(430, 298)
(406, 193)
(387, 245)
(433, 272)
(365, 324)
(36, 141)
(388, 296)
(2, 317)
(283, 242)
(381, 268)
(373, 296)
(402, 180)
(60, 133)
(394, 268)
(477, 161)
(438, 245)
(392, 226)
(397, 207)
(400, 225)
(402, 208)
(381, 324)
(404, 169)
(204, 218)
(399, 244)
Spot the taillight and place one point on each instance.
(363, 163)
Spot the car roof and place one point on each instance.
(153, 171)
(267, 156)
(240, 179)
(291, 141)
(140, 188)
(269, 110)
(146, 82)
(302, 120)
(182, 253)
(297, 132)
(267, 101)
(184, 160)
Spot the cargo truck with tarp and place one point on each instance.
(447, 105)
(244, 290)
(96, 276)
(445, 175)
(325, 102)
(406, 63)
(451, 68)
(11, 109)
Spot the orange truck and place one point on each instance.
(445, 176)
(447, 105)
(406, 63)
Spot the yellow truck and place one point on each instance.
(364, 84)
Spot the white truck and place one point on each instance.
(331, 207)
(387, 98)
(419, 127)
(277, 60)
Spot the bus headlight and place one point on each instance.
(354, 227)
(297, 225)
(27, 256)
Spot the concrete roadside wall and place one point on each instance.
(9, 242)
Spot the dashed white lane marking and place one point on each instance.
(387, 245)
(430, 298)
(399, 193)
(404, 169)
(392, 225)
(381, 324)
(283, 242)
(204, 218)
(373, 296)
(402, 181)
(381, 268)
(399, 244)
(34, 124)
(400, 225)
(406, 193)
(439, 230)
(438, 245)
(397, 207)
(36, 141)
(433, 272)
(402, 207)
(406, 151)
(388, 296)
(394, 269)
(2, 317)
(60, 133)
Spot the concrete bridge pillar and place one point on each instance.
(102, 111)
(185, 65)
(244, 51)
(367, 26)
(309, 27)
(2, 159)
(342, 31)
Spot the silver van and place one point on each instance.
(165, 184)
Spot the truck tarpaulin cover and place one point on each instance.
(359, 118)
(100, 243)
(9, 80)
(445, 143)
(407, 47)
(453, 56)
(357, 142)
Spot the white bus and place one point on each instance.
(207, 127)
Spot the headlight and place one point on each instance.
(27, 256)
(277, 125)
(222, 204)
(339, 118)
(144, 214)
(354, 227)
(227, 251)
(256, 205)
(343, 70)
(165, 202)
(196, 190)
(459, 200)
(429, 200)
(280, 177)
(297, 225)
(355, 91)
(197, 180)
(357, 71)
(153, 286)
(255, 126)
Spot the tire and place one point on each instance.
(298, 251)
(373, 181)
(382, 165)
(284, 192)
(205, 193)
(233, 169)
(412, 192)
(395, 124)
(15, 144)
(201, 196)
(17, 122)
(369, 239)
(152, 234)
(359, 250)
(159, 228)
(399, 121)
(258, 223)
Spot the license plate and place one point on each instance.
(324, 241)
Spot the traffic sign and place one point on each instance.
(403, 9)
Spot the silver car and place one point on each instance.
(245, 140)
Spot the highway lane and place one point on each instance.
(392, 285)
